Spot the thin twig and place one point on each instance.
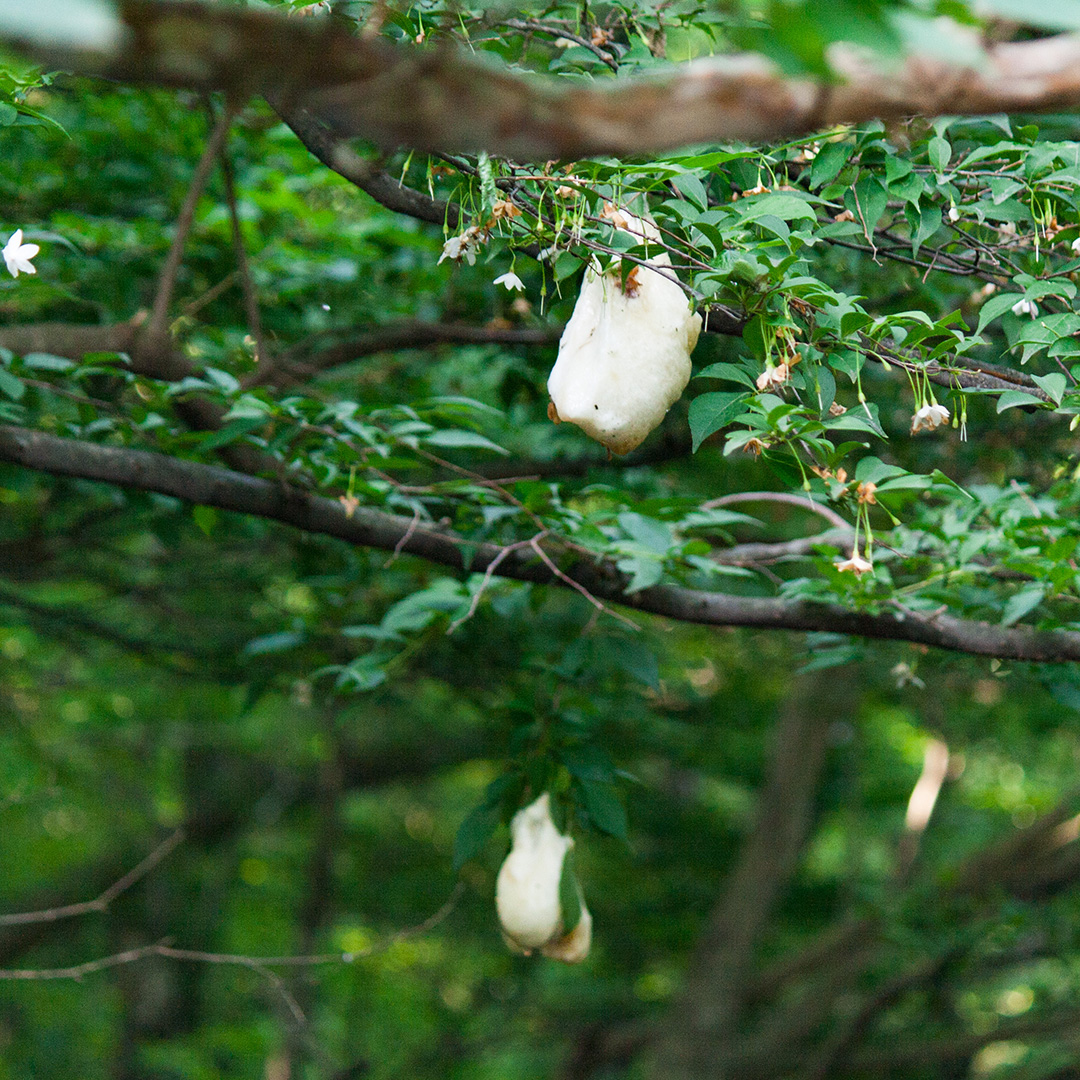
(195, 306)
(534, 543)
(68, 911)
(404, 540)
(805, 502)
(262, 964)
(167, 282)
(251, 300)
(488, 574)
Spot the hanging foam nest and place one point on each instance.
(537, 896)
(624, 357)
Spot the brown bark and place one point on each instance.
(226, 490)
(445, 99)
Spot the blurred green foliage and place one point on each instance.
(320, 719)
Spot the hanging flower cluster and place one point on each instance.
(928, 415)
(624, 357)
(537, 898)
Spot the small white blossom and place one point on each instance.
(1026, 307)
(511, 281)
(954, 214)
(929, 417)
(1076, 246)
(462, 246)
(856, 565)
(17, 255)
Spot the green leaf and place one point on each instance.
(729, 372)
(475, 831)
(644, 571)
(274, 643)
(457, 439)
(831, 158)
(1012, 398)
(604, 808)
(206, 517)
(41, 361)
(939, 151)
(995, 306)
(569, 895)
(710, 412)
(10, 385)
(1022, 603)
(1054, 384)
(873, 470)
(650, 533)
(231, 432)
(785, 207)
(692, 188)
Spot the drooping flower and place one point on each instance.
(511, 281)
(856, 565)
(1026, 307)
(17, 255)
(773, 375)
(1075, 245)
(527, 893)
(929, 417)
(624, 357)
(954, 214)
(463, 246)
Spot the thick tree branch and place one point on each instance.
(210, 486)
(333, 151)
(443, 98)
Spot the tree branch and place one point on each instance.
(334, 152)
(442, 98)
(102, 902)
(156, 328)
(715, 992)
(211, 486)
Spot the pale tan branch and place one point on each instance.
(102, 902)
(443, 98)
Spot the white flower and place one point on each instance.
(856, 565)
(954, 214)
(462, 246)
(1075, 245)
(527, 891)
(929, 417)
(1026, 307)
(511, 281)
(17, 255)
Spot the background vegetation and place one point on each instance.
(316, 717)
